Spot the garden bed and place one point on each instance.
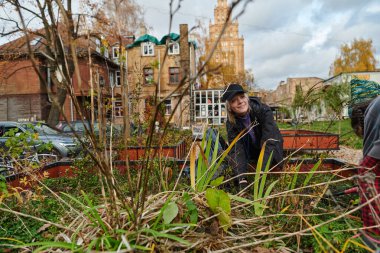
(65, 168)
(309, 140)
(177, 151)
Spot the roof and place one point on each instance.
(172, 36)
(144, 38)
(19, 47)
(150, 38)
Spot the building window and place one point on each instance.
(148, 76)
(147, 49)
(97, 43)
(111, 78)
(174, 48)
(168, 107)
(174, 75)
(115, 52)
(101, 81)
(118, 108)
(118, 79)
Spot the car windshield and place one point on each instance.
(41, 129)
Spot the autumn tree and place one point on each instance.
(356, 56)
(58, 30)
(117, 21)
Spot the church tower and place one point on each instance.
(228, 56)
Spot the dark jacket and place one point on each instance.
(265, 130)
(371, 137)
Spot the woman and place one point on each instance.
(365, 120)
(250, 115)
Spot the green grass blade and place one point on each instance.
(157, 234)
(57, 245)
(270, 188)
(258, 172)
(239, 199)
(311, 173)
(74, 199)
(205, 169)
(95, 213)
(192, 166)
(201, 159)
(292, 184)
(264, 177)
(213, 165)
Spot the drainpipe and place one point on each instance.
(159, 75)
(71, 109)
(126, 80)
(48, 77)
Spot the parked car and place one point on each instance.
(79, 127)
(62, 145)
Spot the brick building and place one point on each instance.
(163, 67)
(23, 93)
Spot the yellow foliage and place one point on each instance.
(357, 56)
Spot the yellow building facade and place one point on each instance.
(161, 70)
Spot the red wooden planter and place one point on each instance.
(64, 169)
(309, 140)
(137, 153)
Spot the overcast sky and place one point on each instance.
(283, 38)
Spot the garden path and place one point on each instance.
(348, 154)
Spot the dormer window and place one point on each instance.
(147, 49)
(173, 48)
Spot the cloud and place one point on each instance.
(373, 8)
(319, 38)
(307, 44)
(282, 38)
(271, 71)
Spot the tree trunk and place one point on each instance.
(57, 104)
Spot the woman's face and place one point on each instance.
(239, 104)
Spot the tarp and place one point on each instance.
(144, 38)
(362, 91)
(173, 37)
(150, 38)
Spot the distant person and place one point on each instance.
(250, 115)
(365, 120)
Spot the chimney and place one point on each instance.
(184, 49)
(143, 30)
